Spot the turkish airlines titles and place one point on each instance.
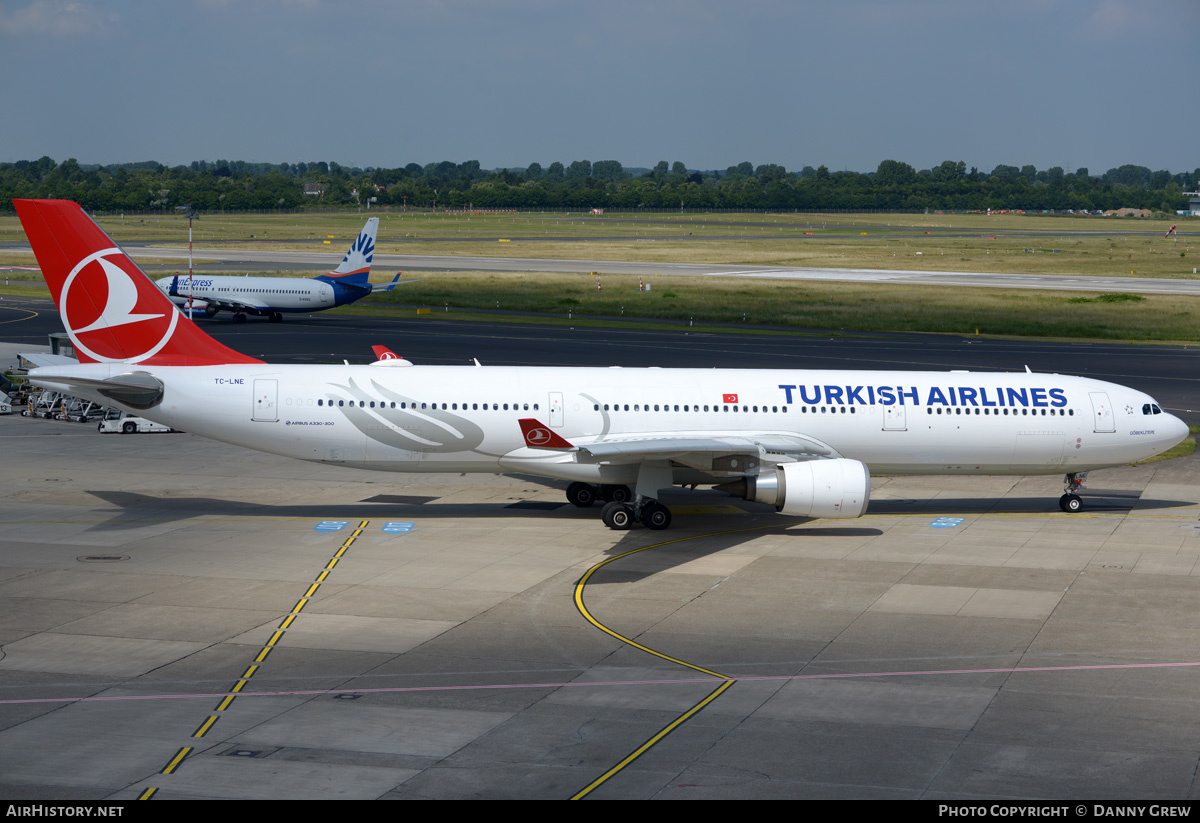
(948, 396)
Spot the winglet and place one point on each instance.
(539, 436)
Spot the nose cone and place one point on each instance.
(1174, 430)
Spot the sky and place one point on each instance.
(711, 83)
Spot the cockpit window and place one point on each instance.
(1151, 408)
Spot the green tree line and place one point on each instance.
(582, 184)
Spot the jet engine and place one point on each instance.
(836, 489)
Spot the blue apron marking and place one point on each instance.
(946, 522)
(398, 528)
(331, 525)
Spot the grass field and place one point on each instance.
(1009, 243)
(1001, 243)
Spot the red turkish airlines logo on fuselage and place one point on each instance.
(112, 312)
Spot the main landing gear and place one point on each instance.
(584, 495)
(647, 511)
(621, 508)
(1071, 502)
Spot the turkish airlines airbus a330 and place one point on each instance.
(802, 441)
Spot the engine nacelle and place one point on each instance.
(836, 489)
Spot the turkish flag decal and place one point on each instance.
(729, 398)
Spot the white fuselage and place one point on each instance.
(464, 419)
(285, 294)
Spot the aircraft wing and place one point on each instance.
(225, 304)
(733, 453)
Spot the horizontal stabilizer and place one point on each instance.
(139, 390)
(396, 281)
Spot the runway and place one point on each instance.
(182, 619)
(266, 259)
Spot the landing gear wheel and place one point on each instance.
(655, 515)
(617, 516)
(582, 495)
(239, 318)
(1070, 503)
(620, 494)
(275, 317)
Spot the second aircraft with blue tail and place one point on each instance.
(272, 297)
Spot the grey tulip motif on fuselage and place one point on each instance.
(410, 428)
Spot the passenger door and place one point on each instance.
(1102, 409)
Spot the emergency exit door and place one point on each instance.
(556, 409)
(266, 401)
(894, 419)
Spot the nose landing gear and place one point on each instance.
(1071, 502)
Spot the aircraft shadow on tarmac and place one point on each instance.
(1095, 501)
(137, 508)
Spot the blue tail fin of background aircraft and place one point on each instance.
(355, 268)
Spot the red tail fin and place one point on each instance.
(111, 309)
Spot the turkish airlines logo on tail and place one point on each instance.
(108, 308)
(538, 436)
